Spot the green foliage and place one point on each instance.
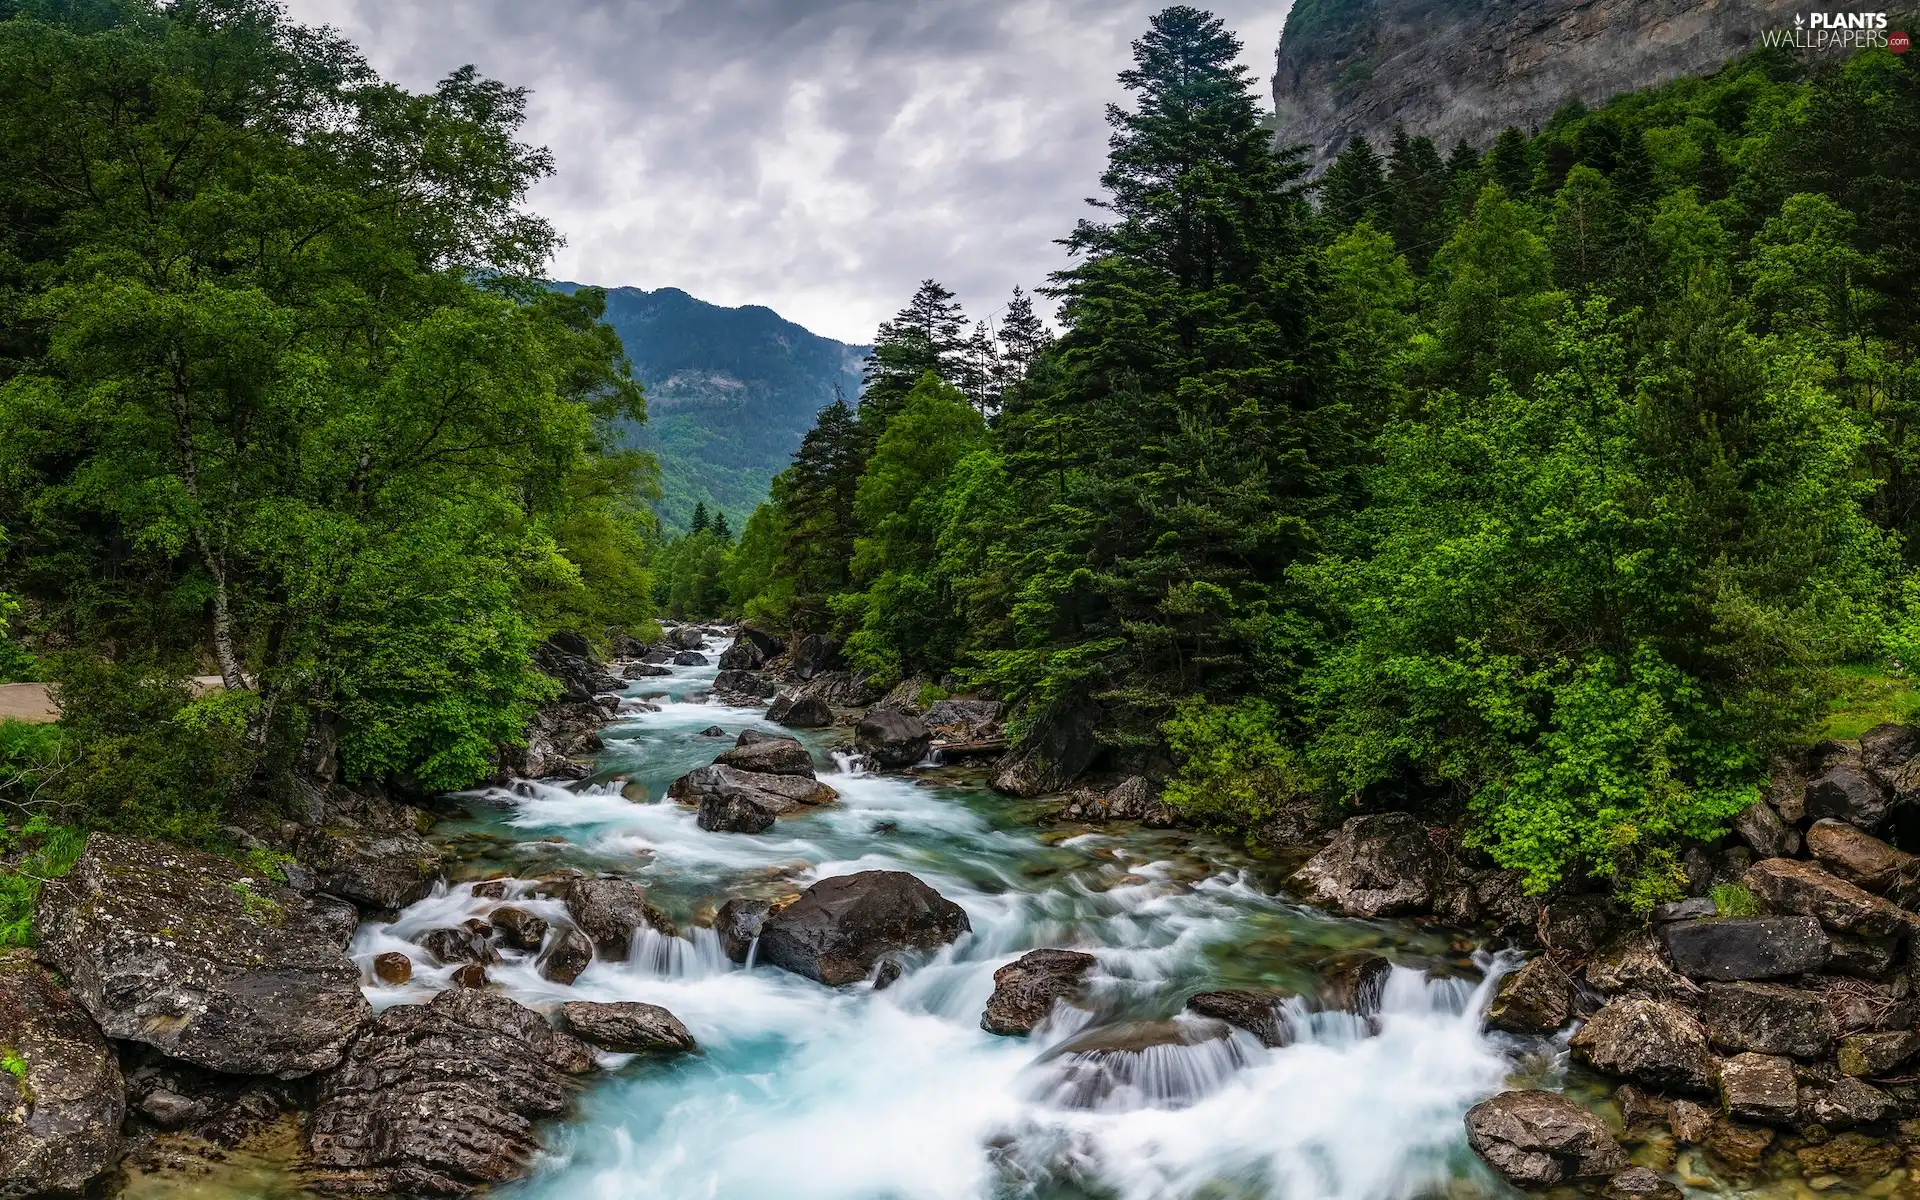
(280, 398)
(1235, 769)
(12, 1063)
(1734, 900)
(39, 851)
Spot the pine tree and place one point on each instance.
(1511, 164)
(816, 494)
(979, 371)
(1022, 336)
(929, 334)
(1463, 159)
(700, 519)
(720, 528)
(1176, 442)
(1417, 189)
(1714, 179)
(1354, 189)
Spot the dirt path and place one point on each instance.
(29, 702)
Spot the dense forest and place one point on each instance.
(283, 398)
(1552, 485)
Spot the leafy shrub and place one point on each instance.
(1734, 900)
(45, 852)
(1235, 770)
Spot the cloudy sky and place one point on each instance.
(816, 156)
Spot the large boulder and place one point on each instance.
(568, 953)
(815, 653)
(840, 928)
(1024, 991)
(1857, 856)
(565, 658)
(689, 658)
(626, 1027)
(773, 756)
(1768, 1018)
(440, 1099)
(964, 717)
(610, 911)
(1807, 889)
(734, 801)
(1851, 793)
(800, 710)
(1640, 1183)
(1654, 1042)
(770, 645)
(1258, 1012)
(1354, 982)
(1376, 866)
(1056, 748)
(744, 655)
(201, 959)
(1538, 1139)
(1537, 998)
(61, 1095)
(1747, 947)
(378, 870)
(749, 684)
(892, 737)
(687, 637)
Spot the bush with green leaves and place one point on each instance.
(1236, 769)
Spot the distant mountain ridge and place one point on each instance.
(1454, 69)
(730, 393)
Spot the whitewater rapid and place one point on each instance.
(803, 1091)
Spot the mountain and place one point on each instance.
(730, 393)
(1455, 69)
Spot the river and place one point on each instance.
(800, 1091)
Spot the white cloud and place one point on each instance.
(816, 156)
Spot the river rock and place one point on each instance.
(770, 756)
(744, 655)
(1634, 962)
(1537, 1139)
(439, 1099)
(378, 870)
(1793, 886)
(1760, 1087)
(1747, 947)
(738, 923)
(1654, 1042)
(1058, 745)
(1761, 828)
(1876, 1053)
(1257, 1012)
(60, 1111)
(567, 954)
(1355, 983)
(644, 670)
(814, 653)
(568, 659)
(1380, 865)
(770, 645)
(1166, 1064)
(1844, 1103)
(733, 801)
(1640, 1183)
(800, 710)
(1857, 856)
(1024, 991)
(964, 717)
(1768, 1018)
(749, 684)
(1738, 1147)
(457, 944)
(1851, 793)
(687, 637)
(469, 975)
(518, 928)
(1575, 926)
(610, 912)
(626, 1027)
(201, 959)
(392, 968)
(892, 737)
(841, 927)
(1536, 999)
(689, 658)
(1690, 1123)
(1849, 1154)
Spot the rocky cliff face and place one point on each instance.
(1455, 69)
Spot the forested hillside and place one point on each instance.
(730, 392)
(1553, 484)
(282, 398)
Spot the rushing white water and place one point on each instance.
(804, 1091)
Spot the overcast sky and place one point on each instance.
(816, 156)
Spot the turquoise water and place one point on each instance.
(802, 1091)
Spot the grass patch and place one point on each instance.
(47, 852)
(1868, 694)
(1733, 900)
